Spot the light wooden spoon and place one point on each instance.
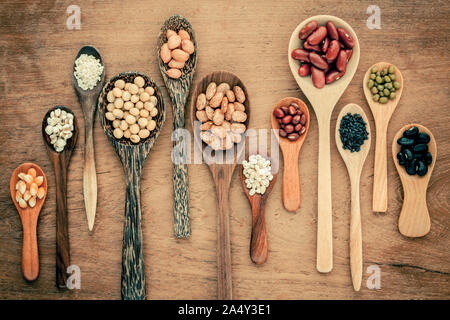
(382, 114)
(88, 101)
(291, 151)
(323, 101)
(29, 217)
(258, 243)
(354, 162)
(414, 220)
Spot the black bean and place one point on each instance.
(422, 169)
(401, 158)
(411, 167)
(419, 156)
(423, 138)
(405, 141)
(420, 148)
(429, 158)
(408, 154)
(411, 133)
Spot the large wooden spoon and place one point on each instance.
(382, 114)
(88, 101)
(258, 243)
(132, 157)
(414, 220)
(29, 217)
(221, 165)
(354, 162)
(323, 101)
(291, 152)
(179, 91)
(60, 162)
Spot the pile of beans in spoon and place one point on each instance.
(292, 121)
(325, 52)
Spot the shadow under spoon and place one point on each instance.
(179, 91)
(88, 101)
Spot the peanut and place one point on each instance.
(180, 55)
(188, 46)
(184, 35)
(165, 53)
(173, 73)
(174, 42)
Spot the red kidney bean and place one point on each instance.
(341, 45)
(279, 120)
(346, 38)
(296, 119)
(285, 109)
(349, 53)
(292, 110)
(333, 51)
(300, 54)
(303, 119)
(317, 60)
(332, 76)
(325, 44)
(318, 77)
(289, 128)
(278, 113)
(287, 119)
(317, 36)
(293, 136)
(341, 62)
(327, 68)
(303, 70)
(307, 30)
(298, 127)
(332, 31)
(283, 133)
(309, 47)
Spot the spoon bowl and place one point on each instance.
(291, 151)
(382, 114)
(60, 162)
(323, 101)
(258, 243)
(414, 220)
(354, 161)
(88, 101)
(29, 218)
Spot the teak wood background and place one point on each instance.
(249, 39)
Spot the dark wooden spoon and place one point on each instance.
(88, 101)
(60, 162)
(179, 91)
(258, 244)
(222, 171)
(132, 157)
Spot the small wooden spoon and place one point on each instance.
(354, 162)
(291, 151)
(414, 220)
(29, 217)
(222, 173)
(88, 101)
(323, 101)
(179, 91)
(132, 157)
(258, 244)
(382, 114)
(60, 162)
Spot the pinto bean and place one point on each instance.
(317, 36)
(307, 30)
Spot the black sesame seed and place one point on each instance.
(353, 132)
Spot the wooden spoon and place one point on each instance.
(354, 162)
(382, 114)
(88, 101)
(414, 218)
(132, 157)
(222, 173)
(323, 101)
(258, 243)
(179, 91)
(29, 217)
(291, 151)
(60, 162)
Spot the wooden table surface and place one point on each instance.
(250, 39)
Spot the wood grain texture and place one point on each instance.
(178, 90)
(132, 157)
(37, 54)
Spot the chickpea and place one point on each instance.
(110, 107)
(151, 125)
(118, 133)
(119, 84)
(117, 92)
(127, 134)
(139, 105)
(118, 113)
(148, 106)
(110, 116)
(134, 128)
(134, 111)
(142, 122)
(144, 133)
(135, 138)
(123, 125)
(118, 103)
(150, 90)
(134, 98)
(140, 90)
(116, 123)
(110, 96)
(127, 86)
(139, 81)
(144, 113)
(154, 100)
(128, 105)
(154, 112)
(144, 97)
(134, 89)
(126, 96)
(130, 119)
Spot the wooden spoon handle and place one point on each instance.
(324, 211)
(380, 170)
(258, 245)
(291, 182)
(356, 238)
(89, 174)
(133, 277)
(62, 229)
(414, 220)
(30, 257)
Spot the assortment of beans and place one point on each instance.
(325, 52)
(414, 154)
(292, 121)
(353, 132)
(382, 84)
(176, 51)
(88, 71)
(59, 128)
(131, 109)
(28, 188)
(258, 174)
(222, 113)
